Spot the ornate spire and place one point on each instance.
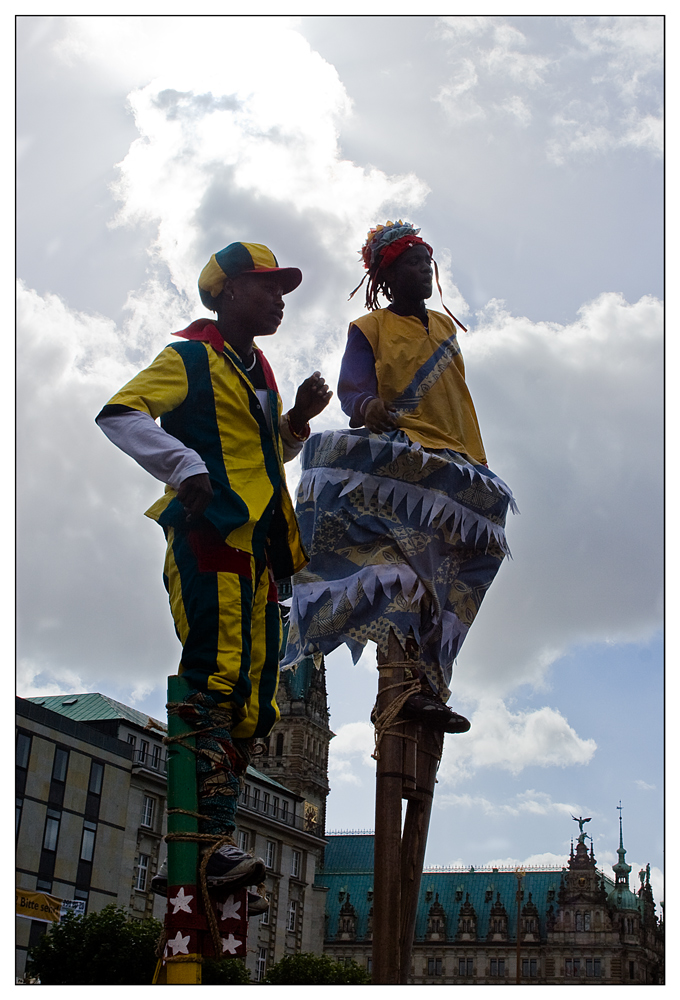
(621, 869)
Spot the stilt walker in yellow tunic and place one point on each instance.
(404, 521)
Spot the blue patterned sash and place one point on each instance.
(427, 375)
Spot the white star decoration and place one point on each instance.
(230, 909)
(181, 901)
(230, 944)
(179, 944)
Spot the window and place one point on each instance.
(51, 830)
(243, 840)
(143, 751)
(245, 794)
(292, 915)
(156, 757)
(579, 920)
(593, 967)
(87, 846)
(256, 798)
(434, 966)
(96, 775)
(497, 967)
(264, 919)
(60, 765)
(295, 864)
(465, 967)
(132, 740)
(279, 744)
(142, 872)
(261, 964)
(265, 802)
(530, 967)
(284, 811)
(270, 854)
(19, 804)
(23, 749)
(275, 807)
(631, 970)
(44, 884)
(148, 810)
(586, 920)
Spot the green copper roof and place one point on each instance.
(622, 898)
(266, 780)
(348, 869)
(349, 853)
(91, 708)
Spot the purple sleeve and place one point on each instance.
(358, 382)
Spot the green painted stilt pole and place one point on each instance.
(182, 794)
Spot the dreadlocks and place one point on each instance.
(383, 245)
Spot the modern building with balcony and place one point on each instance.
(271, 822)
(90, 806)
(91, 815)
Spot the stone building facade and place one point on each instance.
(575, 925)
(296, 752)
(85, 761)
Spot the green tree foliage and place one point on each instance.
(227, 972)
(104, 948)
(316, 970)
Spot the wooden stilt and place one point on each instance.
(406, 768)
(414, 840)
(387, 844)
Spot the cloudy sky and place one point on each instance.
(529, 151)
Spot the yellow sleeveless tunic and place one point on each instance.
(423, 374)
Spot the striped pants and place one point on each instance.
(226, 613)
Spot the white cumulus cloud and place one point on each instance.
(596, 92)
(500, 739)
(572, 419)
(352, 747)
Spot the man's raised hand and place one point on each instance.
(312, 397)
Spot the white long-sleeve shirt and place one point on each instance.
(163, 456)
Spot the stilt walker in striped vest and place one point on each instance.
(231, 532)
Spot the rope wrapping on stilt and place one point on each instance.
(387, 721)
(221, 764)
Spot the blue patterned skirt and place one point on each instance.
(399, 537)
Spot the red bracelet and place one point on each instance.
(305, 430)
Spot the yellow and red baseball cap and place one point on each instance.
(242, 258)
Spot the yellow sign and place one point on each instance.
(38, 906)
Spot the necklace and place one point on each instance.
(252, 364)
